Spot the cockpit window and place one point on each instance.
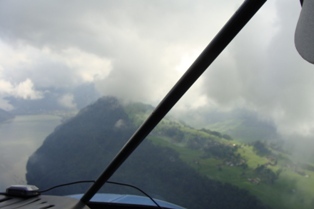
(78, 79)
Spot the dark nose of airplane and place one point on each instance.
(304, 34)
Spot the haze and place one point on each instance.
(137, 50)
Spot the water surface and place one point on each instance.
(19, 138)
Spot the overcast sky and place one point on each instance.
(138, 49)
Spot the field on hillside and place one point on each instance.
(258, 166)
(268, 174)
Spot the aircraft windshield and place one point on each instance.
(78, 78)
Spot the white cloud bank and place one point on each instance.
(138, 49)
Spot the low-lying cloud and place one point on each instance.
(137, 50)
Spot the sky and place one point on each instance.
(137, 50)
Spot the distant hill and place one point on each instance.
(83, 146)
(4, 115)
(241, 124)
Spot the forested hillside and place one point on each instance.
(83, 146)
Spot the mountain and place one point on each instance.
(241, 124)
(83, 146)
(244, 125)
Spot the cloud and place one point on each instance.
(267, 76)
(23, 90)
(137, 50)
(140, 39)
(26, 90)
(67, 101)
(5, 105)
(48, 68)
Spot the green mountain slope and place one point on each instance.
(195, 168)
(164, 165)
(258, 162)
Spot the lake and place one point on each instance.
(19, 138)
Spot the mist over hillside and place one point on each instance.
(83, 146)
(242, 124)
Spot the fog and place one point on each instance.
(137, 50)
